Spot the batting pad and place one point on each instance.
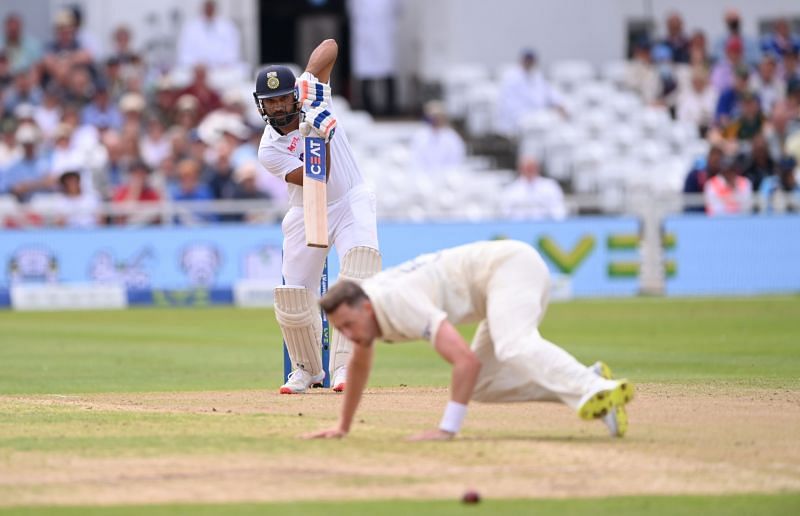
(301, 326)
(358, 263)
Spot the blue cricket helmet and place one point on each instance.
(275, 81)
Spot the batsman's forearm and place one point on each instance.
(357, 376)
(321, 60)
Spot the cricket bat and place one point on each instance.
(315, 194)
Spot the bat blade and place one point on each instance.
(315, 194)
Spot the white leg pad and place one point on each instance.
(299, 318)
(359, 263)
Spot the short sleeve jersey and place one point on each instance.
(412, 299)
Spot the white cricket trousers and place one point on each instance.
(517, 363)
(351, 223)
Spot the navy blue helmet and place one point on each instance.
(275, 81)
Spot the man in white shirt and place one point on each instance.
(768, 84)
(74, 207)
(504, 286)
(373, 51)
(352, 225)
(524, 90)
(437, 146)
(697, 101)
(531, 196)
(209, 39)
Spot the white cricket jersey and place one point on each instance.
(281, 154)
(412, 299)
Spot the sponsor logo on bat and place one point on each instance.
(315, 159)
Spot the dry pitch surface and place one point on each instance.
(243, 446)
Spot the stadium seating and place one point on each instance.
(610, 145)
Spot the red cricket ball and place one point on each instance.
(471, 496)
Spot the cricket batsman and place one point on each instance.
(294, 108)
(504, 286)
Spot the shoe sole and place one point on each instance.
(622, 421)
(288, 390)
(604, 401)
(621, 414)
(339, 387)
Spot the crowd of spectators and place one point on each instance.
(743, 95)
(86, 122)
(83, 123)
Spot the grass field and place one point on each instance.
(169, 407)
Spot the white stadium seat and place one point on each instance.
(626, 105)
(570, 74)
(655, 122)
(481, 102)
(457, 81)
(594, 93)
(597, 122)
(588, 160)
(614, 72)
(539, 123)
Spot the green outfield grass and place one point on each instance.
(745, 341)
(742, 343)
(656, 506)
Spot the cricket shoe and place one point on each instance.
(598, 404)
(339, 379)
(617, 419)
(300, 380)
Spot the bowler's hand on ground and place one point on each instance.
(432, 435)
(330, 433)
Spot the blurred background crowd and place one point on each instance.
(97, 132)
(81, 126)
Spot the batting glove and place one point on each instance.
(312, 93)
(318, 122)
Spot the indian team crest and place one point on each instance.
(272, 80)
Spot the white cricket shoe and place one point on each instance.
(616, 420)
(300, 380)
(339, 379)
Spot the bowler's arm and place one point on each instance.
(357, 375)
(466, 366)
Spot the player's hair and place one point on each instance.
(344, 292)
